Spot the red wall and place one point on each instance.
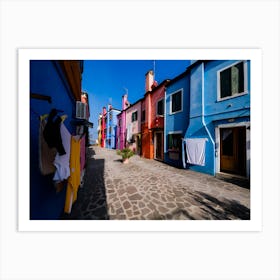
(156, 121)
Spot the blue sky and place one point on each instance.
(106, 81)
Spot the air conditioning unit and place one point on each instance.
(81, 110)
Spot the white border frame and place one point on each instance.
(25, 55)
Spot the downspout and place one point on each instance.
(203, 118)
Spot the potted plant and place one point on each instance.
(126, 153)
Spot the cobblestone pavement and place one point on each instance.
(148, 189)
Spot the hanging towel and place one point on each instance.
(195, 148)
(183, 153)
(46, 154)
(129, 132)
(75, 177)
(61, 162)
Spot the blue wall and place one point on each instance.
(46, 78)
(113, 124)
(204, 118)
(178, 121)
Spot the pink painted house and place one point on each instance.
(121, 126)
(133, 127)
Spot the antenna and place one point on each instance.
(126, 90)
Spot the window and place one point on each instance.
(176, 102)
(111, 116)
(134, 116)
(120, 122)
(160, 107)
(143, 117)
(232, 80)
(175, 141)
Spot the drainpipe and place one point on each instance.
(203, 119)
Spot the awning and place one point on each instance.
(82, 122)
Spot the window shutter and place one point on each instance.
(80, 110)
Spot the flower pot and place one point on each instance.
(125, 160)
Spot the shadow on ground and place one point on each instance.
(91, 202)
(221, 209)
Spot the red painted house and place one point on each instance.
(103, 127)
(152, 118)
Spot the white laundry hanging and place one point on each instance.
(62, 162)
(195, 150)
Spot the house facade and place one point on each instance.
(157, 119)
(218, 135)
(55, 89)
(111, 127)
(146, 132)
(99, 130)
(121, 124)
(152, 118)
(177, 104)
(133, 127)
(103, 127)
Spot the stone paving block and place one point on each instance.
(136, 196)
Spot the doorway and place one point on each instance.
(158, 145)
(233, 150)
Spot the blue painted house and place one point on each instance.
(217, 138)
(177, 110)
(112, 122)
(53, 85)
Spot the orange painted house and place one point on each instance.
(152, 118)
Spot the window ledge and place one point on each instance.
(173, 151)
(232, 96)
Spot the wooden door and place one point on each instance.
(233, 150)
(159, 146)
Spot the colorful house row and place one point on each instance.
(200, 120)
(59, 114)
(107, 127)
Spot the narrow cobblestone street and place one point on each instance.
(147, 189)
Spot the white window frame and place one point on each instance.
(136, 111)
(245, 69)
(163, 104)
(172, 133)
(182, 101)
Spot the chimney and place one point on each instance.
(124, 102)
(149, 80)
